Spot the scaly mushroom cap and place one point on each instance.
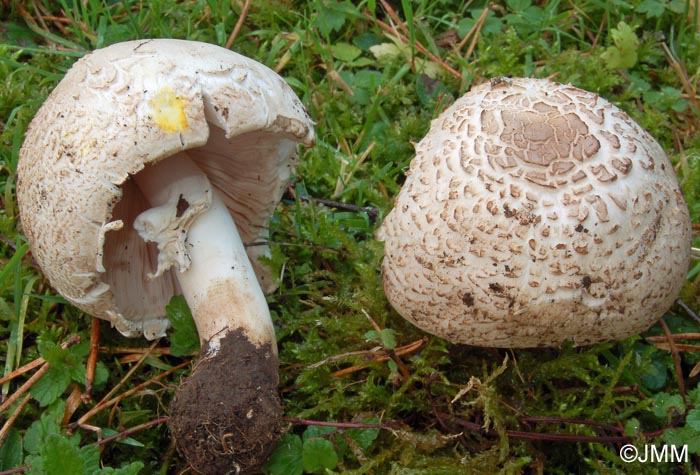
(534, 213)
(130, 104)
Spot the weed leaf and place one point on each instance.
(50, 386)
(623, 55)
(345, 52)
(693, 419)
(184, 339)
(364, 437)
(107, 432)
(318, 454)
(65, 366)
(652, 8)
(49, 424)
(11, 450)
(58, 456)
(332, 16)
(683, 436)
(666, 405)
(287, 457)
(91, 459)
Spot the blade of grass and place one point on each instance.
(408, 12)
(47, 35)
(14, 262)
(15, 343)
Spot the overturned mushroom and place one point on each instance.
(534, 213)
(141, 177)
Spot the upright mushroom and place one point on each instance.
(534, 213)
(141, 176)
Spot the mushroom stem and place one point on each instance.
(230, 280)
(195, 231)
(225, 418)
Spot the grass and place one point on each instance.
(364, 391)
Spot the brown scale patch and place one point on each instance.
(545, 138)
(586, 281)
(468, 299)
(225, 417)
(495, 287)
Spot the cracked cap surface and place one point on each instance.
(534, 213)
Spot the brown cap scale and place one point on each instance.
(534, 213)
(141, 177)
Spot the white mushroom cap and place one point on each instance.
(534, 213)
(130, 104)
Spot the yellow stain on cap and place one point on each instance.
(169, 111)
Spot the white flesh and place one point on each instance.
(195, 232)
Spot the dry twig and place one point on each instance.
(418, 46)
(132, 430)
(344, 425)
(380, 355)
(110, 400)
(11, 420)
(92, 359)
(239, 24)
(473, 33)
(676, 358)
(555, 437)
(35, 377)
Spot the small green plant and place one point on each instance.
(52, 452)
(623, 53)
(669, 407)
(320, 449)
(184, 339)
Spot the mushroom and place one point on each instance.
(535, 213)
(140, 177)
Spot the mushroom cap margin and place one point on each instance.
(130, 104)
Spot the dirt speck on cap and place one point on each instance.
(226, 415)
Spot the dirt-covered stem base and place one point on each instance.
(225, 417)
